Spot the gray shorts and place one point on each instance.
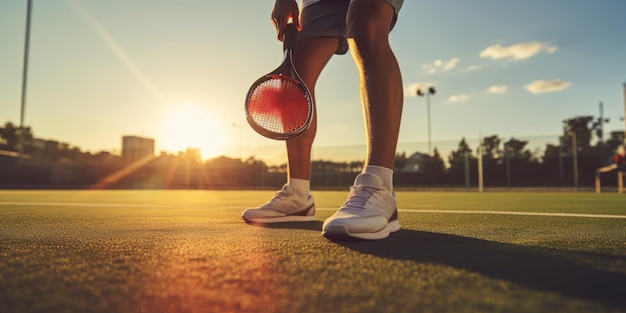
(327, 18)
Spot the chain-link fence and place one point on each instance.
(472, 163)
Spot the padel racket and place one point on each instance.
(279, 105)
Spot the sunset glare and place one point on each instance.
(189, 126)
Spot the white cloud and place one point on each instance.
(543, 86)
(440, 65)
(451, 64)
(411, 89)
(458, 98)
(497, 89)
(518, 51)
(473, 68)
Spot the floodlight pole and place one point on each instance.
(29, 6)
(431, 91)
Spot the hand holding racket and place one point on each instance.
(279, 105)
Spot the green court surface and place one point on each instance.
(189, 251)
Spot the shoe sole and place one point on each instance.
(282, 219)
(340, 232)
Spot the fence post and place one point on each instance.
(575, 161)
(467, 171)
(480, 168)
(507, 163)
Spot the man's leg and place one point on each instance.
(368, 23)
(294, 203)
(370, 211)
(310, 58)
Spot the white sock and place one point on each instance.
(386, 174)
(301, 187)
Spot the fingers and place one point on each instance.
(285, 12)
(296, 20)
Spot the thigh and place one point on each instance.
(372, 13)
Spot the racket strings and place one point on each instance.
(279, 105)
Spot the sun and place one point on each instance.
(190, 126)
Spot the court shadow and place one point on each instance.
(536, 268)
(314, 225)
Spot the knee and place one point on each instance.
(368, 34)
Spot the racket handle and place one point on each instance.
(291, 35)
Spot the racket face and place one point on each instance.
(279, 107)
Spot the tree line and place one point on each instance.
(581, 150)
(504, 163)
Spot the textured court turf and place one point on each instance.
(189, 251)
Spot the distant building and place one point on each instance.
(135, 148)
(415, 163)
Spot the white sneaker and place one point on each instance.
(285, 206)
(369, 212)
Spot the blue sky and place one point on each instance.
(178, 71)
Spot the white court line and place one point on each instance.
(128, 205)
(502, 213)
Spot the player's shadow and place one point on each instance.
(536, 268)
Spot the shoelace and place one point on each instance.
(279, 195)
(358, 198)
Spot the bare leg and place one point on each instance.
(368, 25)
(310, 57)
